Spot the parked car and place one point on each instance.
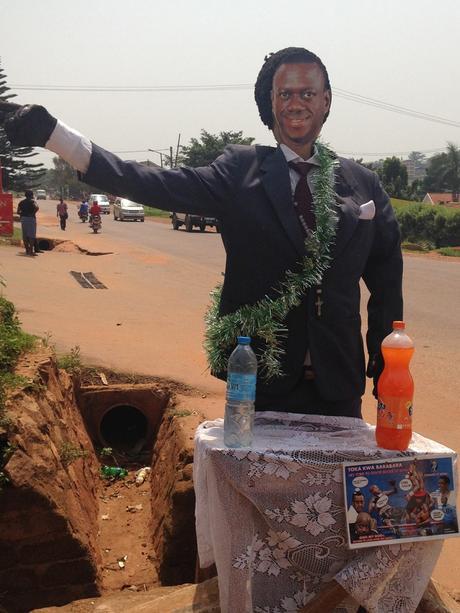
(190, 221)
(40, 194)
(126, 209)
(102, 201)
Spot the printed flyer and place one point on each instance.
(401, 499)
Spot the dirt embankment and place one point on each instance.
(48, 524)
(67, 534)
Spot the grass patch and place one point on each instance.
(12, 240)
(70, 361)
(397, 202)
(450, 251)
(13, 342)
(152, 212)
(69, 453)
(6, 451)
(181, 413)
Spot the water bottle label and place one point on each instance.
(241, 387)
(394, 412)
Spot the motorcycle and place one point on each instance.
(83, 215)
(95, 223)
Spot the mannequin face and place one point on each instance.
(299, 104)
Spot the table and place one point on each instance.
(271, 518)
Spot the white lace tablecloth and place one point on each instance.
(271, 518)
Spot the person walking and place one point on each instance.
(27, 210)
(62, 213)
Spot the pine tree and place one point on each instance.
(18, 173)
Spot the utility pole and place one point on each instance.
(177, 150)
(171, 156)
(160, 154)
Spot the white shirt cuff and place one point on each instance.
(70, 145)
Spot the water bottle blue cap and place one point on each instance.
(244, 340)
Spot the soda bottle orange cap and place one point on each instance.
(399, 325)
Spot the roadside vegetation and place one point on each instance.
(69, 453)
(151, 212)
(12, 240)
(13, 342)
(426, 227)
(70, 361)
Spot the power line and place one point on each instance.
(340, 93)
(390, 152)
(130, 89)
(140, 150)
(394, 108)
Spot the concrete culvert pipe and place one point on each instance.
(124, 428)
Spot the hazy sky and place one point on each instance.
(402, 52)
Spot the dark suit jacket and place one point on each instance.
(248, 189)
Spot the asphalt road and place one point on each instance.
(150, 320)
(168, 274)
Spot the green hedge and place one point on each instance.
(434, 224)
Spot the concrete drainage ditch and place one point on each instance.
(52, 498)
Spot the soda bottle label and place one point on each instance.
(241, 387)
(394, 412)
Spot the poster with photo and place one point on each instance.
(401, 499)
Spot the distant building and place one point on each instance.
(415, 170)
(440, 198)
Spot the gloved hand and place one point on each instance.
(26, 126)
(374, 370)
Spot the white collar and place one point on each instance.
(292, 156)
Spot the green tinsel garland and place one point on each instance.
(265, 318)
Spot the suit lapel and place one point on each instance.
(277, 184)
(347, 209)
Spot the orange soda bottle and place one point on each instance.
(395, 390)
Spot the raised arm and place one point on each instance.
(202, 191)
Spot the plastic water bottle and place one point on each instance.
(395, 389)
(241, 394)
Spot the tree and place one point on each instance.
(452, 170)
(369, 165)
(434, 180)
(205, 150)
(418, 159)
(443, 172)
(63, 180)
(394, 177)
(18, 173)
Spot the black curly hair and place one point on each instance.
(263, 86)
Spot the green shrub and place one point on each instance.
(70, 361)
(438, 226)
(152, 212)
(69, 453)
(451, 251)
(13, 341)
